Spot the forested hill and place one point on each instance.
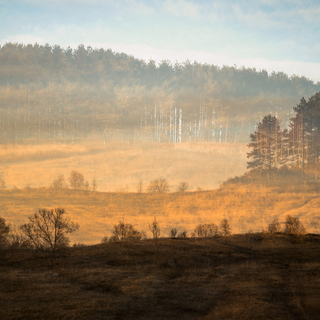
(55, 93)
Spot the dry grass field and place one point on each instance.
(119, 167)
(249, 208)
(252, 276)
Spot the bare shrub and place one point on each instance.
(4, 231)
(154, 228)
(183, 234)
(59, 183)
(183, 186)
(274, 226)
(225, 227)
(206, 230)
(173, 233)
(76, 180)
(293, 226)
(124, 232)
(158, 185)
(2, 182)
(47, 229)
(104, 240)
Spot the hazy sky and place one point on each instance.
(266, 34)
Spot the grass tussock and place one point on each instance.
(255, 276)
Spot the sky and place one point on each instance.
(275, 35)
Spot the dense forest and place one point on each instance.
(48, 92)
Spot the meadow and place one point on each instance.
(119, 166)
(248, 208)
(30, 169)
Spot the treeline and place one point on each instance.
(295, 147)
(48, 92)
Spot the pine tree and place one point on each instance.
(267, 145)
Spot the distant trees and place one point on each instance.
(158, 185)
(66, 93)
(48, 229)
(225, 227)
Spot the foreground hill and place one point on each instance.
(251, 276)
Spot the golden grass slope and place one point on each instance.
(247, 208)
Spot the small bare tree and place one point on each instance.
(94, 184)
(76, 180)
(47, 229)
(154, 228)
(293, 225)
(183, 186)
(274, 226)
(140, 186)
(225, 227)
(158, 185)
(173, 232)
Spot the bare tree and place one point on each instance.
(154, 228)
(274, 226)
(140, 186)
(47, 229)
(59, 183)
(76, 180)
(158, 185)
(293, 225)
(225, 227)
(94, 184)
(173, 232)
(183, 186)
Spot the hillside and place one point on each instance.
(238, 277)
(249, 208)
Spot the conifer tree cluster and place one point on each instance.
(297, 146)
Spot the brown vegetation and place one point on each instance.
(254, 276)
